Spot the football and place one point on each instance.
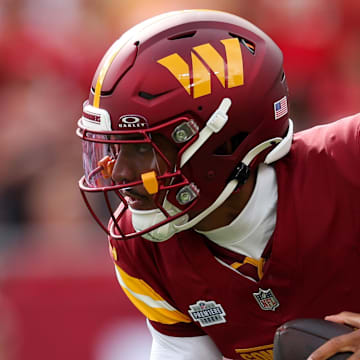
(297, 339)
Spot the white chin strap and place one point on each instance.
(278, 152)
(143, 219)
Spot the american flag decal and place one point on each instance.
(280, 108)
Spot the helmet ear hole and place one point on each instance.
(230, 146)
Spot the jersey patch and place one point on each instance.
(207, 313)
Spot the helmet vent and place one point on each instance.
(248, 44)
(148, 96)
(184, 35)
(230, 146)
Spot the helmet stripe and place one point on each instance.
(113, 51)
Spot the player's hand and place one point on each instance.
(349, 342)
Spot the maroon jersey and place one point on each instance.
(311, 268)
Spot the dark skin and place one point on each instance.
(230, 209)
(135, 159)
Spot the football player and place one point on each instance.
(223, 223)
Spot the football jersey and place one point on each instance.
(311, 262)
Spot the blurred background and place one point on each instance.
(58, 295)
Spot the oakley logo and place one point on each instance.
(204, 57)
(132, 121)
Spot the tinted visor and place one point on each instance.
(94, 152)
(102, 160)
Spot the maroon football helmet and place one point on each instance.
(211, 84)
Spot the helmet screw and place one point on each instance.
(181, 135)
(187, 194)
(184, 197)
(185, 131)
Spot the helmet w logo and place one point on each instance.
(229, 72)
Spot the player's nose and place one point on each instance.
(125, 170)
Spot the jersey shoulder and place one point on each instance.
(341, 134)
(333, 148)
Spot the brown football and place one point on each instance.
(297, 339)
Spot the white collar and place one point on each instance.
(250, 231)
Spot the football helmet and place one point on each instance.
(207, 87)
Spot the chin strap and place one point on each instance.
(231, 185)
(143, 219)
(283, 147)
(241, 173)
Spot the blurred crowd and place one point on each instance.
(49, 51)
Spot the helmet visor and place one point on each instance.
(94, 153)
(106, 158)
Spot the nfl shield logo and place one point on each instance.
(266, 299)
